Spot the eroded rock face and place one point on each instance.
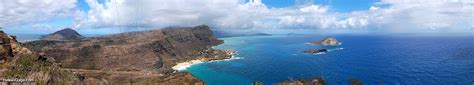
(327, 42)
(6, 50)
(19, 62)
(64, 34)
(10, 47)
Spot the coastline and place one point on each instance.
(184, 65)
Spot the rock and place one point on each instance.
(327, 42)
(6, 50)
(315, 51)
(313, 81)
(64, 34)
(10, 47)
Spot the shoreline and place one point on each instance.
(184, 65)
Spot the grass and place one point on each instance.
(26, 65)
(355, 82)
(23, 66)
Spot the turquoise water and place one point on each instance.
(372, 59)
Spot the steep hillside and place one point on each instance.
(18, 62)
(155, 52)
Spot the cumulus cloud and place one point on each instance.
(154, 13)
(426, 14)
(385, 15)
(19, 12)
(223, 14)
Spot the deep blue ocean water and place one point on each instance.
(374, 59)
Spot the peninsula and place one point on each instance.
(135, 57)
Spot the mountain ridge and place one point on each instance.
(153, 51)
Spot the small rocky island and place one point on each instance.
(316, 51)
(330, 41)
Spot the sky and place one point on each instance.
(270, 16)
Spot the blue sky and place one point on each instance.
(335, 5)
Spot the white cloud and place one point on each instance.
(409, 15)
(154, 13)
(224, 14)
(374, 8)
(386, 15)
(19, 12)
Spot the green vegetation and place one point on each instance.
(25, 65)
(355, 82)
(257, 83)
(29, 65)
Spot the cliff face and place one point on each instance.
(64, 34)
(10, 48)
(154, 51)
(6, 50)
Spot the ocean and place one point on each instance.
(32, 37)
(373, 59)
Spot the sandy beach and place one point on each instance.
(184, 65)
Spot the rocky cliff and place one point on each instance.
(18, 62)
(10, 48)
(147, 55)
(64, 34)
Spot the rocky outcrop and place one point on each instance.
(154, 52)
(10, 47)
(316, 51)
(64, 34)
(18, 62)
(327, 42)
(6, 50)
(315, 81)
